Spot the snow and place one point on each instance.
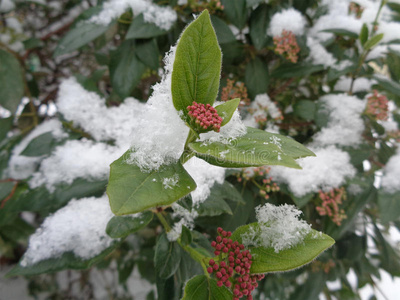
(163, 17)
(89, 111)
(391, 177)
(21, 167)
(6, 6)
(333, 163)
(360, 84)
(318, 54)
(161, 136)
(345, 125)
(279, 228)
(289, 20)
(78, 227)
(76, 159)
(205, 176)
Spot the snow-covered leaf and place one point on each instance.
(131, 190)
(255, 148)
(268, 260)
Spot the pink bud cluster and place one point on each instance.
(356, 9)
(286, 45)
(330, 205)
(378, 106)
(234, 90)
(233, 269)
(205, 116)
(265, 185)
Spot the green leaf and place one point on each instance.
(186, 202)
(236, 11)
(389, 206)
(197, 65)
(130, 190)
(255, 148)
(226, 110)
(147, 52)
(126, 69)
(5, 126)
(257, 77)
(373, 41)
(298, 70)
(41, 145)
(364, 34)
(222, 30)
(203, 287)
(11, 81)
(213, 207)
(186, 236)
(388, 85)
(259, 21)
(167, 257)
(341, 32)
(305, 109)
(68, 260)
(267, 260)
(80, 35)
(122, 226)
(139, 29)
(5, 189)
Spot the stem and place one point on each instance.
(163, 221)
(375, 23)
(187, 153)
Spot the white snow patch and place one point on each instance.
(345, 125)
(328, 170)
(162, 16)
(391, 177)
(279, 228)
(79, 227)
(289, 20)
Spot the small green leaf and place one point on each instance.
(203, 287)
(147, 52)
(267, 260)
(373, 41)
(167, 257)
(122, 226)
(82, 34)
(298, 70)
(226, 110)
(130, 190)
(389, 206)
(126, 69)
(5, 126)
(68, 260)
(186, 236)
(388, 85)
(341, 32)
(257, 77)
(224, 33)
(364, 34)
(139, 29)
(213, 207)
(197, 65)
(41, 145)
(255, 148)
(236, 11)
(305, 109)
(186, 202)
(11, 81)
(259, 20)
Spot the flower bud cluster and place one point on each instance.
(211, 5)
(330, 205)
(233, 269)
(265, 183)
(237, 90)
(204, 117)
(378, 106)
(356, 9)
(286, 45)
